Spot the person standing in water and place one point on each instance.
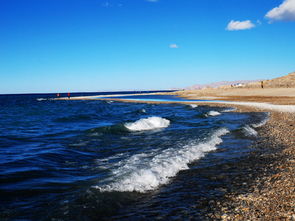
(69, 95)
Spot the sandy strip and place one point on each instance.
(97, 97)
(262, 106)
(290, 108)
(258, 105)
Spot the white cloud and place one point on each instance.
(106, 4)
(173, 46)
(239, 25)
(284, 12)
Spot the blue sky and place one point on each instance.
(97, 45)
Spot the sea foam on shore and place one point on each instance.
(146, 171)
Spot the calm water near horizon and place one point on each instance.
(109, 160)
(157, 98)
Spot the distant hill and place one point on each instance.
(287, 81)
(220, 84)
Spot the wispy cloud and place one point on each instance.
(239, 25)
(173, 46)
(108, 4)
(284, 12)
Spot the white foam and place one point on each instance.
(105, 162)
(213, 113)
(41, 99)
(249, 131)
(193, 105)
(264, 106)
(150, 123)
(264, 121)
(146, 171)
(230, 109)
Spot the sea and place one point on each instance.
(113, 160)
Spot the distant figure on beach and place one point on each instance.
(58, 95)
(69, 95)
(261, 84)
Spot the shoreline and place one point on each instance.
(271, 193)
(264, 188)
(271, 165)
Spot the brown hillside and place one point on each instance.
(287, 81)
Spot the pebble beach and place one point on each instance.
(266, 188)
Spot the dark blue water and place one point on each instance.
(95, 160)
(78, 94)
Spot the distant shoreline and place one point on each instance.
(64, 93)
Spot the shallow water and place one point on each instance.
(156, 98)
(92, 160)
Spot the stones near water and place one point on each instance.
(266, 188)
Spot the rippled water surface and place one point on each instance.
(94, 160)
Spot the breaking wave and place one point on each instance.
(150, 123)
(193, 105)
(41, 99)
(229, 109)
(262, 122)
(249, 131)
(146, 171)
(213, 113)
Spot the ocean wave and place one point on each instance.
(262, 122)
(150, 123)
(107, 129)
(249, 131)
(74, 118)
(213, 113)
(146, 171)
(193, 105)
(41, 99)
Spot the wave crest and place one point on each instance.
(143, 172)
(264, 121)
(150, 123)
(193, 105)
(213, 113)
(231, 109)
(249, 131)
(41, 99)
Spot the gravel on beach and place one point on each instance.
(266, 188)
